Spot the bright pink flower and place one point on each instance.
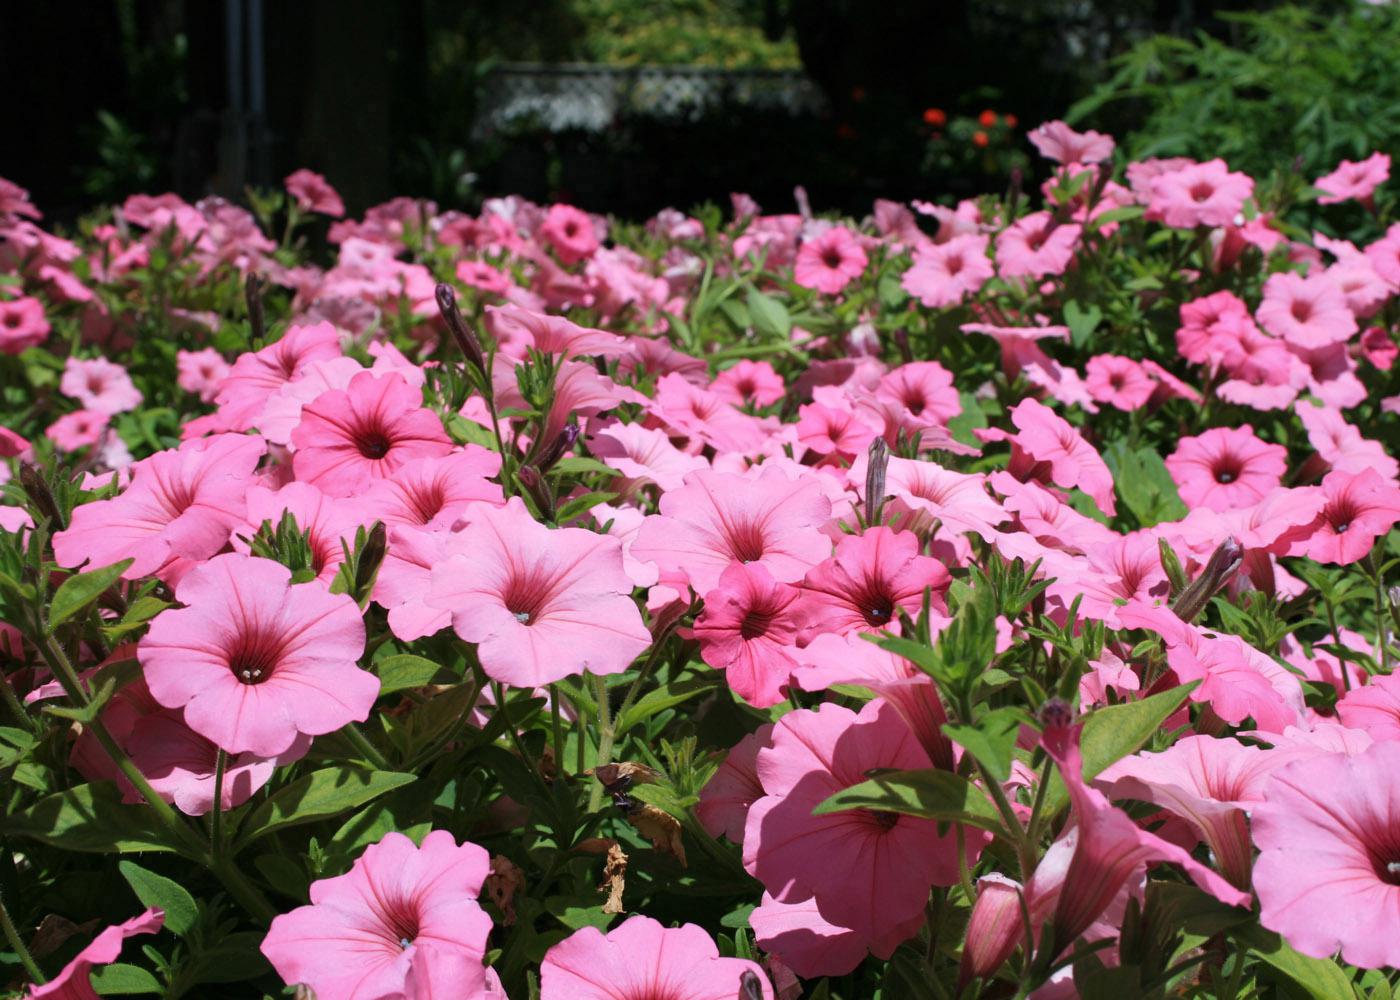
(1226, 468)
(1340, 444)
(1108, 848)
(570, 232)
(1328, 873)
(313, 193)
(1384, 255)
(925, 391)
(405, 581)
(326, 521)
(994, 928)
(540, 603)
(432, 493)
(830, 262)
(1211, 783)
(1035, 246)
(350, 437)
(201, 372)
(77, 429)
(1048, 441)
(1201, 194)
(643, 455)
(14, 200)
(1324, 667)
(74, 982)
(182, 503)
(749, 382)
(99, 385)
(516, 330)
(257, 375)
(1378, 348)
(1373, 709)
(256, 661)
(749, 629)
(401, 912)
(1062, 144)
(22, 324)
(1211, 328)
(1118, 381)
(718, 518)
(827, 430)
(1264, 373)
(1331, 375)
(870, 579)
(639, 959)
(481, 275)
(1354, 179)
(944, 274)
(867, 871)
(726, 797)
(1361, 507)
(1306, 312)
(705, 417)
(1042, 515)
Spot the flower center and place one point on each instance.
(253, 658)
(1302, 311)
(1202, 191)
(745, 542)
(755, 624)
(832, 258)
(374, 444)
(1227, 471)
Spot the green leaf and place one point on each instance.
(991, 739)
(1082, 322)
(1145, 485)
(233, 959)
(580, 505)
(769, 316)
(930, 794)
(1112, 733)
(404, 671)
(327, 792)
(77, 592)
(667, 696)
(157, 890)
(120, 979)
(574, 465)
(1321, 977)
(90, 818)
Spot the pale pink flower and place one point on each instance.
(99, 385)
(405, 581)
(797, 934)
(570, 232)
(1041, 514)
(748, 382)
(1328, 873)
(1047, 442)
(350, 437)
(1199, 194)
(926, 492)
(1384, 255)
(1226, 468)
(945, 274)
(870, 579)
(830, 262)
(749, 630)
(1360, 508)
(726, 797)
(78, 429)
(402, 915)
(1373, 709)
(1306, 312)
(1211, 328)
(1062, 144)
(829, 430)
(925, 391)
(1340, 444)
(257, 375)
(22, 324)
(643, 455)
(313, 193)
(1118, 381)
(1035, 246)
(432, 493)
(255, 661)
(540, 603)
(719, 518)
(1354, 179)
(201, 372)
(866, 871)
(181, 504)
(481, 275)
(74, 982)
(1264, 374)
(515, 330)
(640, 959)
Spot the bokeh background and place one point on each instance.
(627, 106)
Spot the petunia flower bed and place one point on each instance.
(985, 600)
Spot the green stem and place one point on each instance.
(530, 762)
(17, 943)
(216, 827)
(606, 737)
(367, 749)
(16, 707)
(1384, 658)
(556, 725)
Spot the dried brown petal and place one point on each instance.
(614, 879)
(661, 828)
(501, 885)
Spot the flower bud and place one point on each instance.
(1222, 566)
(466, 340)
(875, 480)
(993, 930)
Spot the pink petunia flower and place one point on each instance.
(640, 959)
(749, 629)
(1036, 246)
(1199, 194)
(350, 437)
(540, 603)
(1360, 508)
(868, 872)
(74, 982)
(1328, 873)
(830, 262)
(643, 455)
(724, 801)
(182, 503)
(257, 375)
(1211, 328)
(1340, 445)
(747, 382)
(516, 330)
(1306, 312)
(718, 518)
(255, 661)
(870, 579)
(313, 193)
(705, 417)
(1354, 179)
(925, 391)
(201, 372)
(405, 581)
(944, 274)
(22, 324)
(827, 430)
(1373, 709)
(78, 429)
(1062, 144)
(812, 946)
(432, 493)
(99, 385)
(1047, 442)
(1384, 255)
(1226, 468)
(570, 232)
(402, 913)
(1118, 381)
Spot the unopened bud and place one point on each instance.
(1224, 562)
(875, 473)
(40, 496)
(1056, 713)
(539, 490)
(466, 340)
(750, 986)
(1394, 594)
(370, 558)
(993, 930)
(558, 448)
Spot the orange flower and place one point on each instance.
(935, 116)
(987, 119)
(979, 139)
